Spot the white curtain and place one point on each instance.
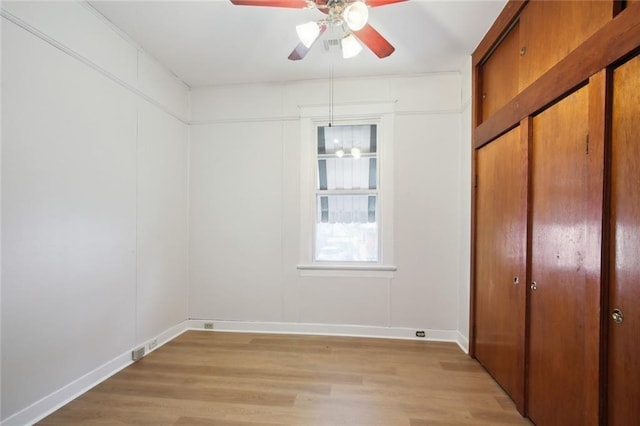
(347, 209)
(347, 173)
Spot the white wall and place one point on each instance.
(465, 205)
(94, 200)
(245, 203)
(95, 192)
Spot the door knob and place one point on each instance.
(617, 316)
(534, 286)
(516, 280)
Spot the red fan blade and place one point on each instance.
(374, 41)
(295, 4)
(376, 3)
(301, 50)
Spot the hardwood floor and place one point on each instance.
(241, 379)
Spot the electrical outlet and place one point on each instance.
(137, 354)
(208, 326)
(153, 344)
(420, 333)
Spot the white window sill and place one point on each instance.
(346, 270)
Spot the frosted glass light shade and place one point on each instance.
(356, 15)
(308, 33)
(350, 46)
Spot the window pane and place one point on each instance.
(346, 208)
(347, 173)
(346, 228)
(335, 138)
(346, 224)
(347, 157)
(347, 242)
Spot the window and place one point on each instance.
(346, 190)
(346, 228)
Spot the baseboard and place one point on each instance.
(164, 337)
(50, 403)
(325, 329)
(47, 405)
(463, 342)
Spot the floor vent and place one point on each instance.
(136, 354)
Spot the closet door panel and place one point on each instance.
(501, 228)
(556, 364)
(500, 74)
(549, 30)
(624, 284)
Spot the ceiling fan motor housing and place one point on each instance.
(353, 13)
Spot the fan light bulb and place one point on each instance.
(350, 46)
(308, 33)
(339, 153)
(356, 15)
(355, 152)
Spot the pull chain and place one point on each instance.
(331, 86)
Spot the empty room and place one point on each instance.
(320, 212)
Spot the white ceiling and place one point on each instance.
(215, 43)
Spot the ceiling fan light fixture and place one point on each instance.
(308, 33)
(350, 46)
(356, 15)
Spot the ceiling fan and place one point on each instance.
(350, 15)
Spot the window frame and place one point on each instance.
(382, 115)
(318, 192)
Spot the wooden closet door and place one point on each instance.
(500, 74)
(549, 30)
(557, 361)
(500, 280)
(624, 284)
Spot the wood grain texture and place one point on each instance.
(476, 112)
(500, 26)
(500, 74)
(595, 256)
(244, 379)
(550, 30)
(501, 238)
(616, 39)
(557, 386)
(624, 283)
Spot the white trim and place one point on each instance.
(463, 342)
(361, 78)
(325, 330)
(187, 246)
(65, 49)
(346, 270)
(465, 105)
(348, 110)
(52, 402)
(166, 336)
(382, 114)
(429, 112)
(266, 119)
(113, 27)
(278, 118)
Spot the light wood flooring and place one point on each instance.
(241, 379)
